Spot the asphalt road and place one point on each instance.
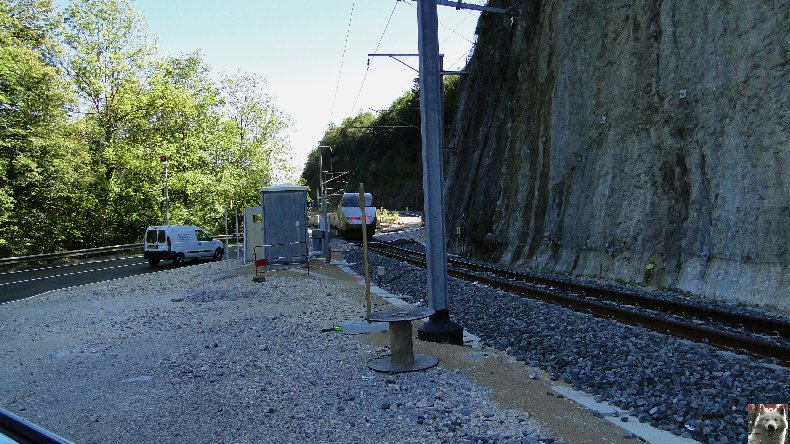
(36, 280)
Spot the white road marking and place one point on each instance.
(73, 264)
(70, 274)
(75, 286)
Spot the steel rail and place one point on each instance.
(721, 339)
(774, 327)
(768, 326)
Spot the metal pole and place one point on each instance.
(460, 5)
(441, 106)
(167, 198)
(322, 198)
(227, 263)
(320, 188)
(238, 253)
(324, 224)
(363, 210)
(327, 252)
(439, 328)
(327, 235)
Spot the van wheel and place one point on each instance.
(217, 254)
(179, 260)
(153, 262)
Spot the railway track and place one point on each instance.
(735, 332)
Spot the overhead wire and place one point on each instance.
(342, 60)
(367, 69)
(381, 38)
(447, 27)
(466, 54)
(458, 25)
(454, 31)
(396, 118)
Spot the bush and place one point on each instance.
(386, 217)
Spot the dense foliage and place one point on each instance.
(87, 109)
(383, 151)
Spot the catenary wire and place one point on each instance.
(464, 55)
(342, 59)
(458, 25)
(367, 69)
(446, 27)
(454, 31)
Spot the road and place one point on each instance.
(36, 280)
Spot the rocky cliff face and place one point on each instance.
(639, 140)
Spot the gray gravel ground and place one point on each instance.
(687, 388)
(189, 355)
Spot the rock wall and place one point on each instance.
(645, 141)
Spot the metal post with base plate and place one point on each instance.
(401, 358)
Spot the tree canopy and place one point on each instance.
(87, 108)
(382, 150)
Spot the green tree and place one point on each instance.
(382, 150)
(36, 159)
(178, 117)
(108, 55)
(86, 109)
(254, 153)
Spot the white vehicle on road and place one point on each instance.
(179, 242)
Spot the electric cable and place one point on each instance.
(342, 60)
(458, 25)
(465, 55)
(396, 118)
(447, 27)
(367, 69)
(454, 31)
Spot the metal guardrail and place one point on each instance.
(79, 253)
(64, 254)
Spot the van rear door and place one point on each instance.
(155, 239)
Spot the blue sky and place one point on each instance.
(297, 46)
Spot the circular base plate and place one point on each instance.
(441, 329)
(400, 314)
(384, 364)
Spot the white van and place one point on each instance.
(178, 242)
